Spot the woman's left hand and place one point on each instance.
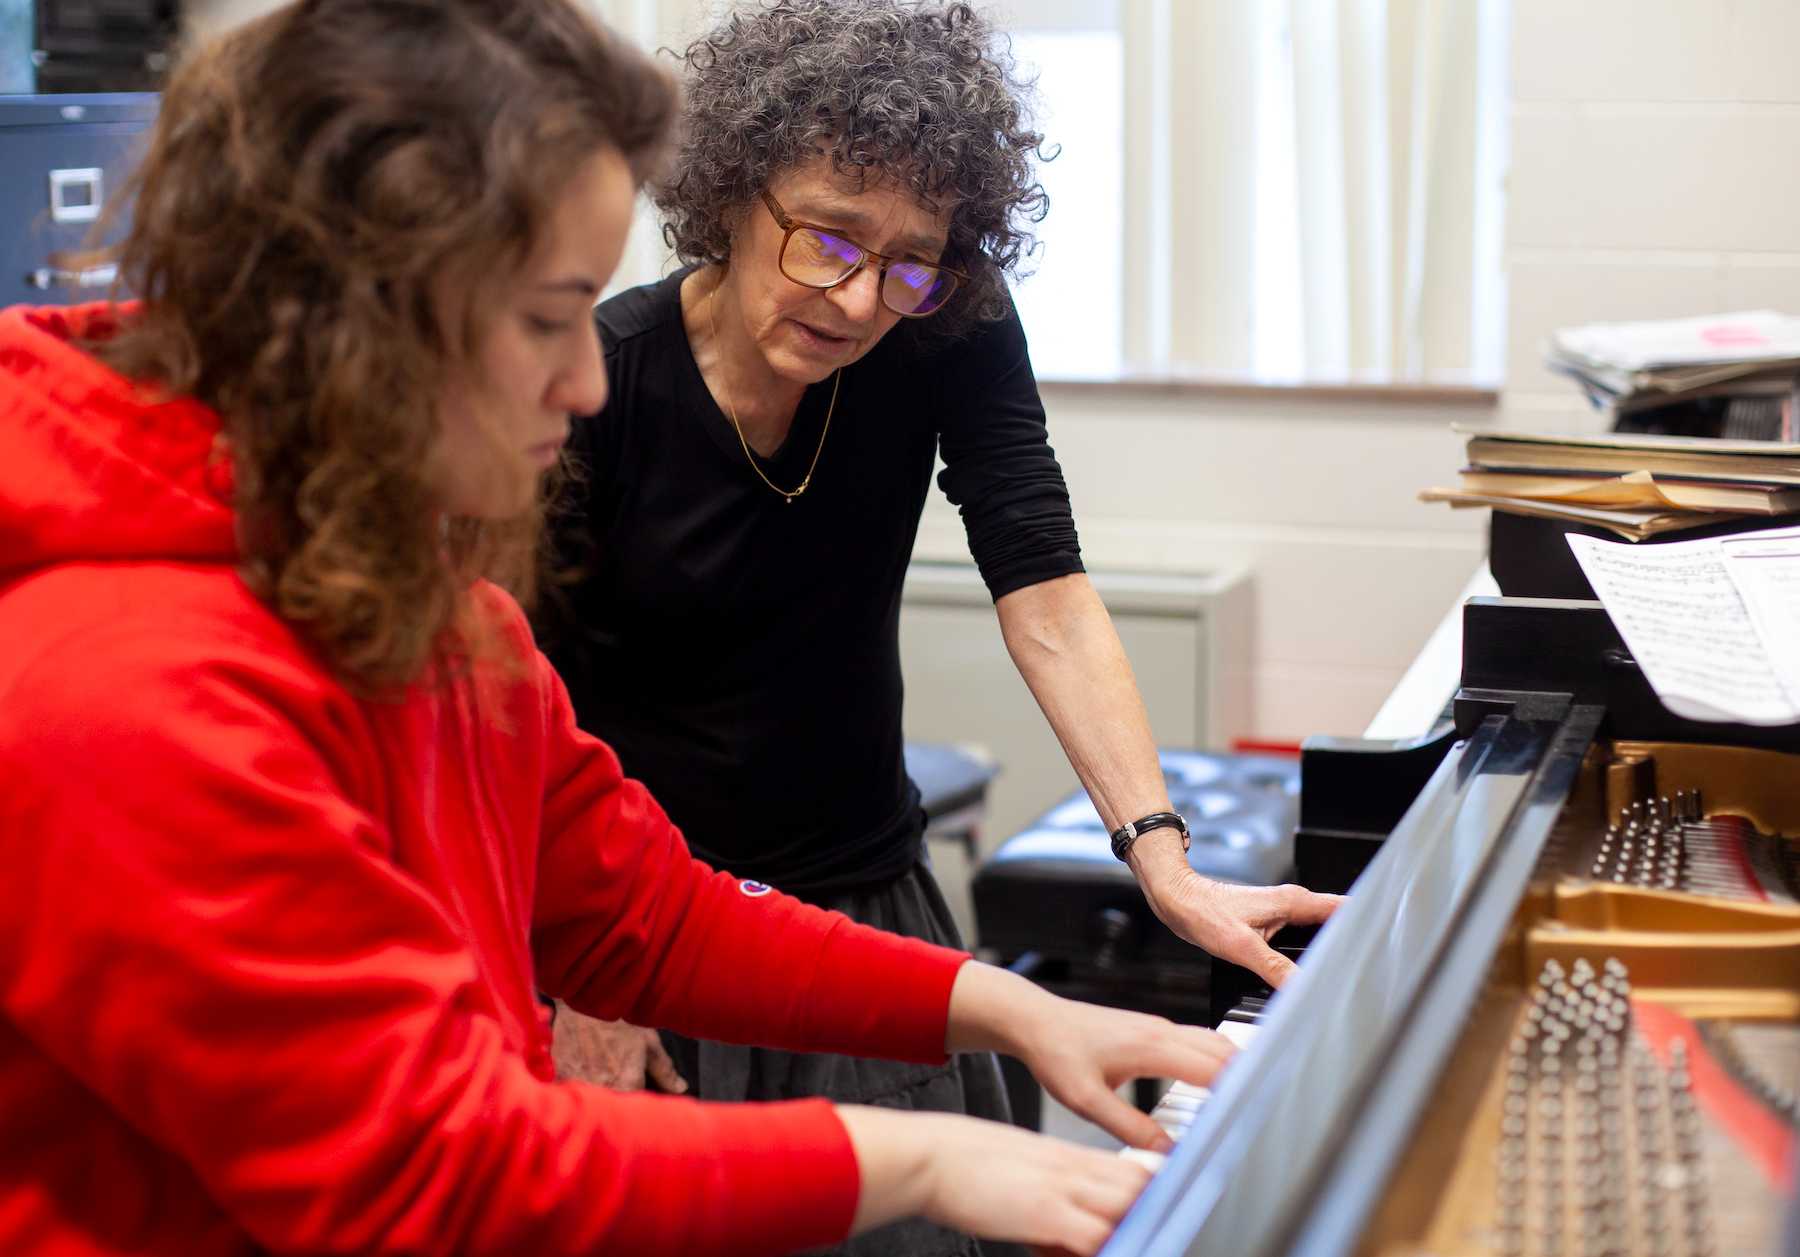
(1236, 922)
(1081, 1053)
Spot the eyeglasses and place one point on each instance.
(818, 257)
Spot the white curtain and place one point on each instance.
(1328, 179)
(656, 24)
(1386, 144)
(651, 25)
(1311, 187)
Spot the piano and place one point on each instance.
(1560, 1013)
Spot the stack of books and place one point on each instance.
(1706, 428)
(1633, 484)
(1735, 376)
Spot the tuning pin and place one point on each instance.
(1678, 1068)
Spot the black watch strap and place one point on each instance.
(1125, 835)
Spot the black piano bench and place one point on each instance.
(1054, 904)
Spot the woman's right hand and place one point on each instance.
(987, 1179)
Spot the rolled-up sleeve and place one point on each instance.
(999, 469)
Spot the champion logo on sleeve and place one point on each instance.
(756, 890)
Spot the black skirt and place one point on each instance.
(969, 1083)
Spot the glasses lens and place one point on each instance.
(818, 258)
(916, 289)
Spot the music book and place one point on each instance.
(1634, 490)
(1631, 524)
(1697, 458)
(1714, 623)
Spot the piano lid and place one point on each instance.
(1343, 1066)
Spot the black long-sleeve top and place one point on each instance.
(741, 653)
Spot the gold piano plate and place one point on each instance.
(1761, 786)
(1587, 905)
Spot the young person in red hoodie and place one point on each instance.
(296, 820)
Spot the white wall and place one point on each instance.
(1351, 573)
(1655, 173)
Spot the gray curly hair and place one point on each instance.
(922, 93)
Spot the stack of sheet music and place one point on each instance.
(1633, 484)
(1735, 376)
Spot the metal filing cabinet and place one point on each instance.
(62, 158)
(102, 45)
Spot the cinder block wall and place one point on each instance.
(1655, 172)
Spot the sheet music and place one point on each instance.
(1741, 336)
(1681, 614)
(1765, 567)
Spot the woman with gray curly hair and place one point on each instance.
(854, 187)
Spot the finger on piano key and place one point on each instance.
(1242, 1033)
(1183, 1098)
(1152, 1161)
(1178, 1108)
(1181, 1103)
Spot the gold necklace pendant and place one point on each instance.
(787, 495)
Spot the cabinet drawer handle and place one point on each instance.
(48, 277)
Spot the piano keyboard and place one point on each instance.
(1180, 1104)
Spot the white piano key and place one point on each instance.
(1241, 1033)
(1152, 1161)
(1180, 1105)
(1182, 1098)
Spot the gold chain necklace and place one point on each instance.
(787, 495)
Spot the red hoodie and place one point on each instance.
(268, 952)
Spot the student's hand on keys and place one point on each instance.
(1081, 1053)
(1084, 1053)
(987, 1179)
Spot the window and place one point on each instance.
(1291, 190)
(1278, 189)
(1071, 299)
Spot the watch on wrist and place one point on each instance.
(1125, 835)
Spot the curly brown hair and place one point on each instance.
(314, 177)
(919, 92)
